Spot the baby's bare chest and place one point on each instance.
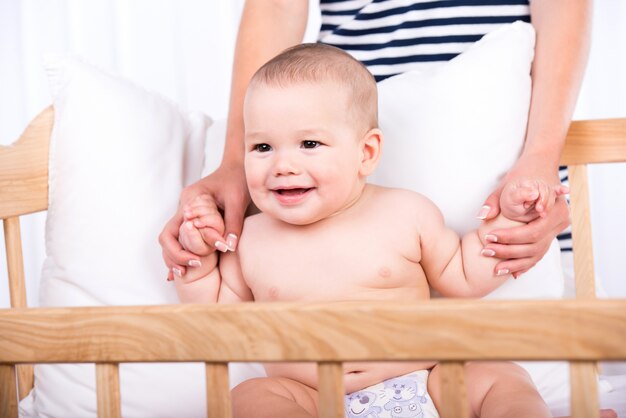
(323, 267)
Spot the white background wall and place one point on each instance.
(184, 49)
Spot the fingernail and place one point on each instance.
(484, 211)
(231, 241)
(491, 238)
(220, 246)
(177, 272)
(487, 252)
(502, 272)
(194, 263)
(189, 225)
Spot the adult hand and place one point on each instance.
(227, 189)
(523, 246)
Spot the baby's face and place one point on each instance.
(303, 152)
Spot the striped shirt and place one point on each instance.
(394, 36)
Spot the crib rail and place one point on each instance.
(343, 331)
(450, 331)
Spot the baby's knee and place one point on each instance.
(260, 388)
(255, 397)
(495, 372)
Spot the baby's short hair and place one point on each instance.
(316, 62)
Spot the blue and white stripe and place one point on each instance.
(394, 36)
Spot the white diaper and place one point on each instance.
(400, 397)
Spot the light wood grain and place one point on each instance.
(454, 402)
(15, 262)
(8, 392)
(24, 169)
(218, 391)
(584, 389)
(581, 232)
(595, 141)
(108, 390)
(436, 330)
(331, 391)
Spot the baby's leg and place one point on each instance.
(496, 389)
(271, 397)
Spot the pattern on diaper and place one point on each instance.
(361, 405)
(405, 396)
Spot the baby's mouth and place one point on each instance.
(292, 192)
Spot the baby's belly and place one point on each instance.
(357, 375)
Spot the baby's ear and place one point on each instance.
(371, 147)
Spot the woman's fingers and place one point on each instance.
(537, 230)
(523, 246)
(517, 266)
(174, 254)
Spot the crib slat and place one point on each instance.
(331, 391)
(454, 403)
(581, 232)
(584, 398)
(108, 390)
(15, 262)
(218, 391)
(17, 291)
(8, 391)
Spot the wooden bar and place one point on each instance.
(15, 262)
(595, 141)
(581, 233)
(432, 330)
(24, 169)
(454, 402)
(218, 391)
(8, 392)
(584, 389)
(108, 390)
(17, 291)
(331, 390)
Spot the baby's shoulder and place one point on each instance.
(255, 225)
(400, 199)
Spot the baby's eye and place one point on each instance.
(308, 144)
(262, 148)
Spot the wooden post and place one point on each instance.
(218, 391)
(331, 391)
(108, 390)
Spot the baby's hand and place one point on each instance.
(203, 228)
(191, 239)
(525, 200)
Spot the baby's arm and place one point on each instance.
(201, 283)
(526, 200)
(455, 267)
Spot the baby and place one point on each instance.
(324, 234)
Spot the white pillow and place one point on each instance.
(452, 132)
(119, 157)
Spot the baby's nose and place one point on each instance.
(285, 165)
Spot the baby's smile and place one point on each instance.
(291, 195)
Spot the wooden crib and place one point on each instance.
(583, 331)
